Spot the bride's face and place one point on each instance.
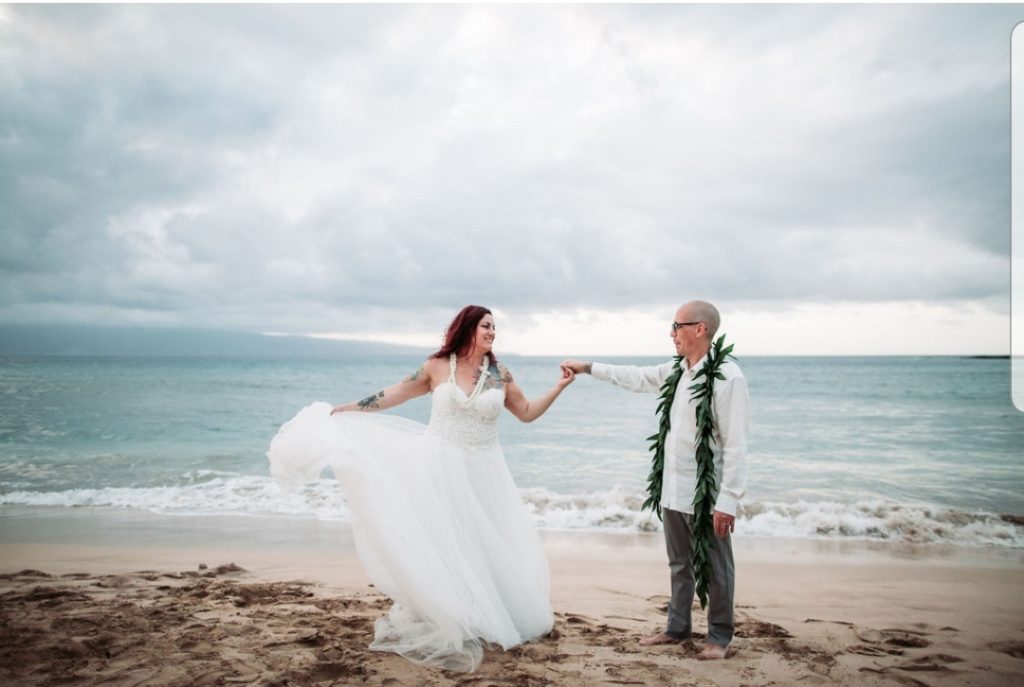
(483, 339)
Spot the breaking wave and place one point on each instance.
(210, 492)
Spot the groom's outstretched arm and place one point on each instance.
(632, 377)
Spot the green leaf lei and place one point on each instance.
(668, 393)
(703, 498)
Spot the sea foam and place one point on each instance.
(210, 492)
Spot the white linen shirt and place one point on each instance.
(731, 408)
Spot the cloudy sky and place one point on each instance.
(835, 178)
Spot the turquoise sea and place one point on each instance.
(909, 449)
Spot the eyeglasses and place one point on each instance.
(680, 325)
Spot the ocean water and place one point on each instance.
(925, 450)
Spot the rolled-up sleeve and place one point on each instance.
(732, 413)
(633, 378)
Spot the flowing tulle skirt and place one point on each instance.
(439, 528)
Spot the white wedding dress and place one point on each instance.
(437, 521)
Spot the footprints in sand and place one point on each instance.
(932, 663)
(749, 628)
(214, 627)
(920, 655)
(1015, 649)
(901, 643)
(27, 575)
(203, 628)
(257, 594)
(888, 642)
(895, 638)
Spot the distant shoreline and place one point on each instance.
(74, 341)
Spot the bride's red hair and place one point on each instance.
(459, 336)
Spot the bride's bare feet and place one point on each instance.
(660, 638)
(712, 652)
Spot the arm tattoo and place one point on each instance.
(415, 375)
(371, 402)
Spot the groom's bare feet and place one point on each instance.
(660, 638)
(712, 652)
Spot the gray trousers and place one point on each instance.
(679, 544)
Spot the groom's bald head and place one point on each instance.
(702, 311)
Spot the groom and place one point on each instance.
(693, 331)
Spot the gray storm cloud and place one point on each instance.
(309, 168)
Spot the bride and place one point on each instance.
(437, 521)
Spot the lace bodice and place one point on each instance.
(468, 421)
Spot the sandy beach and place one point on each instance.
(135, 599)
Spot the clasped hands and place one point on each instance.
(571, 368)
(567, 378)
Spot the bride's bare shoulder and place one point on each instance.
(432, 364)
(436, 369)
